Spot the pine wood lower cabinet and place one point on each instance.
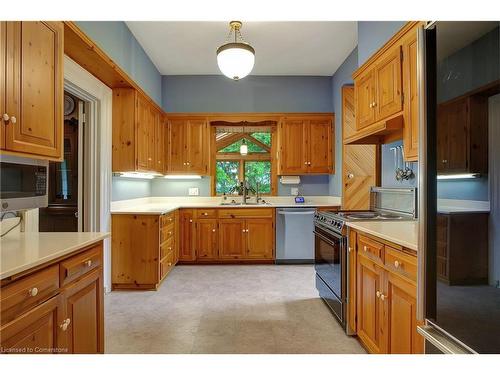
(144, 249)
(67, 319)
(382, 307)
(227, 235)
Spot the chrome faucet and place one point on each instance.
(245, 192)
(257, 187)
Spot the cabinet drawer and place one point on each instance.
(233, 213)
(166, 264)
(80, 264)
(167, 233)
(166, 247)
(401, 263)
(206, 214)
(370, 248)
(24, 294)
(167, 219)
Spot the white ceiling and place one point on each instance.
(281, 48)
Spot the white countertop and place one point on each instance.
(404, 233)
(22, 251)
(457, 206)
(161, 205)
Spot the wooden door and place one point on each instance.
(320, 135)
(360, 163)
(388, 84)
(142, 134)
(232, 238)
(196, 143)
(187, 236)
(260, 238)
(364, 92)
(34, 91)
(206, 239)
(37, 331)
(177, 146)
(410, 105)
(294, 147)
(369, 314)
(3, 67)
(400, 305)
(83, 303)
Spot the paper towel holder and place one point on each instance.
(290, 180)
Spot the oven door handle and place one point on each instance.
(324, 238)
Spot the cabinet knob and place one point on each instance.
(170, 219)
(305, 162)
(349, 249)
(365, 248)
(397, 264)
(183, 163)
(13, 120)
(188, 163)
(33, 292)
(382, 297)
(150, 159)
(190, 220)
(308, 163)
(169, 264)
(170, 248)
(5, 117)
(213, 230)
(88, 263)
(370, 105)
(205, 213)
(378, 294)
(169, 233)
(444, 161)
(65, 324)
(243, 230)
(374, 104)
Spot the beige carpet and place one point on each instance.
(226, 309)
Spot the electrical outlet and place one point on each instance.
(194, 191)
(294, 191)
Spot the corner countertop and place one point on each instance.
(404, 233)
(162, 205)
(21, 251)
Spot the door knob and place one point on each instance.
(350, 175)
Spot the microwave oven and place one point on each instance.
(23, 183)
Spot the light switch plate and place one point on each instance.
(194, 191)
(294, 191)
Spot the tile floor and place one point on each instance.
(226, 309)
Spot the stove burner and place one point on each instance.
(362, 215)
(389, 216)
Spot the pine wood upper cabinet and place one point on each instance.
(410, 89)
(370, 317)
(32, 87)
(137, 126)
(188, 146)
(232, 239)
(305, 145)
(207, 239)
(83, 306)
(462, 135)
(364, 92)
(260, 238)
(400, 306)
(388, 84)
(39, 329)
(187, 236)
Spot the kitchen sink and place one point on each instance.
(264, 203)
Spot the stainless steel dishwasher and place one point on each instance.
(294, 235)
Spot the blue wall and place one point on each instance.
(372, 35)
(342, 76)
(115, 38)
(476, 189)
(216, 93)
(129, 188)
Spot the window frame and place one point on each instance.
(270, 156)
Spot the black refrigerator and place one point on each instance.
(459, 187)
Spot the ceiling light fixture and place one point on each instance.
(235, 57)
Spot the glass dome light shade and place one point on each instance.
(235, 60)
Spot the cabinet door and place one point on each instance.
(400, 305)
(159, 141)
(320, 146)
(232, 238)
(410, 129)
(196, 143)
(37, 331)
(294, 146)
(177, 146)
(370, 318)
(364, 93)
(260, 238)
(142, 134)
(442, 139)
(359, 163)
(34, 90)
(165, 135)
(351, 297)
(83, 306)
(388, 85)
(187, 236)
(3, 67)
(206, 239)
